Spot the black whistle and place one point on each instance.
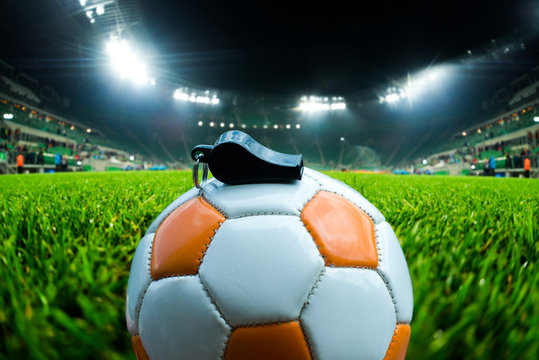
(236, 158)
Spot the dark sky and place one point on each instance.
(333, 47)
(259, 46)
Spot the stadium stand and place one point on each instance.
(40, 135)
(497, 147)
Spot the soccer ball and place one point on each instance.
(299, 270)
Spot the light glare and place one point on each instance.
(184, 94)
(315, 103)
(100, 9)
(126, 63)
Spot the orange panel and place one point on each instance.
(275, 341)
(139, 349)
(399, 343)
(182, 238)
(343, 233)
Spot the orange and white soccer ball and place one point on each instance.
(301, 270)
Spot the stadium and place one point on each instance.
(431, 114)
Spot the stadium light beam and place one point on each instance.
(126, 63)
(416, 85)
(314, 103)
(100, 9)
(197, 97)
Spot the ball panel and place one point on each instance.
(139, 280)
(394, 270)
(343, 232)
(277, 198)
(338, 187)
(399, 343)
(140, 353)
(178, 321)
(192, 193)
(349, 315)
(268, 342)
(260, 269)
(182, 238)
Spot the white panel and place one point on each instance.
(275, 198)
(350, 315)
(178, 321)
(186, 196)
(139, 280)
(392, 265)
(260, 269)
(338, 187)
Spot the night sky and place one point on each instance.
(335, 48)
(268, 47)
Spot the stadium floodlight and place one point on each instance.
(88, 130)
(89, 14)
(243, 126)
(192, 96)
(8, 116)
(132, 157)
(536, 118)
(231, 125)
(212, 124)
(100, 9)
(275, 126)
(82, 2)
(415, 85)
(338, 106)
(425, 161)
(298, 126)
(222, 124)
(200, 123)
(391, 98)
(92, 20)
(180, 94)
(126, 62)
(314, 103)
(288, 126)
(464, 133)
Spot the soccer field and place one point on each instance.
(66, 243)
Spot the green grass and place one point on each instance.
(66, 243)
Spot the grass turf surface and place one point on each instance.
(66, 243)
